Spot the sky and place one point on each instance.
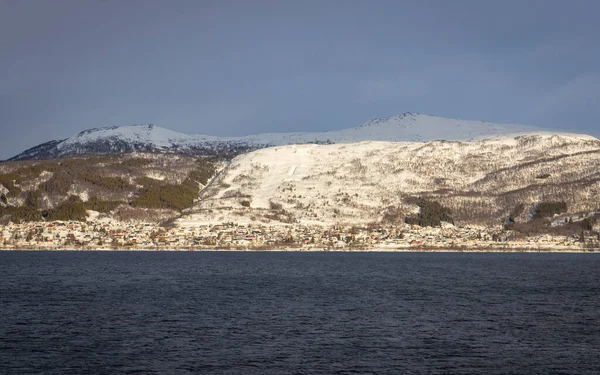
(232, 68)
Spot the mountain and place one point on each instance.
(136, 138)
(408, 127)
(481, 181)
(376, 173)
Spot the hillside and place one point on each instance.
(481, 181)
(408, 127)
(147, 187)
(482, 173)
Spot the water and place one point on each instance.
(298, 313)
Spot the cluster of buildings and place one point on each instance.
(109, 234)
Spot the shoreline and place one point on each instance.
(119, 236)
(319, 250)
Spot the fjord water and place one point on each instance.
(302, 313)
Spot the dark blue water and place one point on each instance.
(295, 313)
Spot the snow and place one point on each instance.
(408, 127)
(290, 164)
(156, 175)
(355, 183)
(92, 215)
(150, 134)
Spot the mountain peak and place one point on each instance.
(148, 127)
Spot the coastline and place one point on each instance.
(317, 250)
(113, 235)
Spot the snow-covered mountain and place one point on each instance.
(408, 127)
(370, 174)
(481, 181)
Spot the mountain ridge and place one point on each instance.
(406, 127)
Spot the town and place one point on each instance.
(108, 234)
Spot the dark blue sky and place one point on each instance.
(242, 67)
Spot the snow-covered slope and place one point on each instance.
(481, 181)
(408, 127)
